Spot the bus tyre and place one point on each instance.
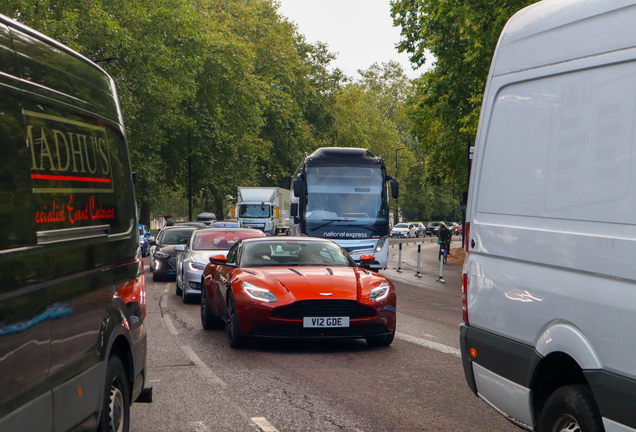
(115, 415)
(571, 408)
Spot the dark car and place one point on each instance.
(163, 260)
(72, 292)
(432, 228)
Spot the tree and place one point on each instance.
(462, 36)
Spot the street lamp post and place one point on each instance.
(397, 205)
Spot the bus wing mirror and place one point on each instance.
(298, 187)
(395, 189)
(294, 209)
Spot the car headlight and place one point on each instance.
(196, 265)
(257, 293)
(380, 293)
(161, 255)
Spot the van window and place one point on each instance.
(564, 145)
(52, 67)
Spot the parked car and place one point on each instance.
(420, 229)
(549, 294)
(403, 229)
(72, 297)
(193, 258)
(163, 258)
(144, 235)
(296, 287)
(206, 218)
(432, 228)
(459, 230)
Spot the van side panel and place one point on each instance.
(24, 307)
(552, 208)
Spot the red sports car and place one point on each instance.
(296, 287)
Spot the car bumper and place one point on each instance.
(256, 321)
(165, 266)
(191, 281)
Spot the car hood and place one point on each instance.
(312, 282)
(167, 249)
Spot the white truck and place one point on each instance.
(264, 208)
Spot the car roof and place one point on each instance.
(286, 238)
(229, 229)
(181, 227)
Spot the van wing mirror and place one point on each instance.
(298, 186)
(395, 189)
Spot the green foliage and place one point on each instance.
(462, 36)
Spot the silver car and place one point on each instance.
(193, 257)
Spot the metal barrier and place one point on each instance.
(399, 269)
(419, 255)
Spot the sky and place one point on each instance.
(360, 31)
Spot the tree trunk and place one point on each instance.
(144, 213)
(218, 206)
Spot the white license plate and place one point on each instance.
(312, 322)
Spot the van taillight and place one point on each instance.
(466, 236)
(465, 297)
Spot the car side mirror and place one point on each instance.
(395, 189)
(367, 259)
(180, 248)
(152, 241)
(293, 211)
(218, 259)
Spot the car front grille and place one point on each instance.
(324, 308)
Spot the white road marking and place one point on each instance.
(171, 328)
(164, 302)
(167, 289)
(203, 368)
(429, 344)
(265, 426)
(199, 426)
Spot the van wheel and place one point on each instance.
(571, 408)
(115, 415)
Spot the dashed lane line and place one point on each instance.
(170, 326)
(202, 367)
(429, 344)
(265, 426)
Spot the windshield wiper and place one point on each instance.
(330, 221)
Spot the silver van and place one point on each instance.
(72, 292)
(549, 280)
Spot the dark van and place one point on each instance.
(72, 293)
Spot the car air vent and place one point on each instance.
(296, 271)
(324, 308)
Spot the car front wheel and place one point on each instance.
(232, 327)
(571, 408)
(381, 341)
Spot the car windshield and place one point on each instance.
(175, 236)
(294, 253)
(254, 210)
(401, 225)
(220, 240)
(433, 224)
(225, 224)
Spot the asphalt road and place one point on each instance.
(416, 384)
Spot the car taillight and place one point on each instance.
(466, 236)
(465, 297)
